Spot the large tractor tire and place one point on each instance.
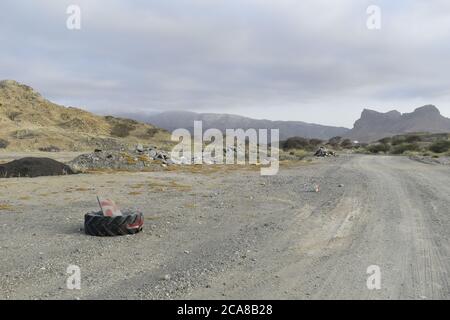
(96, 224)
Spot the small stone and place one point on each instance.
(152, 153)
(167, 277)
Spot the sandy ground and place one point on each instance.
(235, 234)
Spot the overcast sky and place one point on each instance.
(313, 61)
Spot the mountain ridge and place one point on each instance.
(171, 120)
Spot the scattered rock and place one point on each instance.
(323, 152)
(152, 153)
(140, 148)
(135, 160)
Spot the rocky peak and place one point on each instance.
(428, 109)
(370, 114)
(374, 125)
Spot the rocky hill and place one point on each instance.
(30, 122)
(375, 125)
(172, 120)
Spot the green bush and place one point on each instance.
(440, 146)
(295, 143)
(13, 115)
(398, 140)
(401, 148)
(122, 130)
(385, 140)
(347, 144)
(3, 144)
(379, 147)
(152, 131)
(315, 142)
(413, 138)
(409, 138)
(335, 141)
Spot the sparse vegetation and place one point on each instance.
(25, 134)
(335, 141)
(440, 146)
(315, 142)
(129, 158)
(295, 143)
(50, 149)
(3, 144)
(134, 193)
(122, 130)
(403, 147)
(299, 143)
(346, 144)
(13, 115)
(428, 145)
(5, 207)
(151, 132)
(379, 147)
(386, 140)
(294, 154)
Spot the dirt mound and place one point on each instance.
(34, 167)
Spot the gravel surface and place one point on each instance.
(234, 234)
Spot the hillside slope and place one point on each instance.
(30, 122)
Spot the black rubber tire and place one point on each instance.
(96, 224)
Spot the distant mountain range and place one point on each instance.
(375, 125)
(371, 126)
(172, 120)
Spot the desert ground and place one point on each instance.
(232, 233)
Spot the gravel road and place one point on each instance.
(234, 234)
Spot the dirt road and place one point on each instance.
(235, 234)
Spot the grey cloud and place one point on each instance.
(282, 59)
